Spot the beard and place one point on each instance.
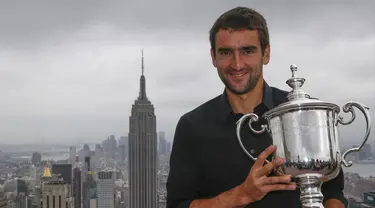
(254, 75)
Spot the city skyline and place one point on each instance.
(67, 80)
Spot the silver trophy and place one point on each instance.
(305, 131)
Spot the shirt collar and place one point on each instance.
(268, 101)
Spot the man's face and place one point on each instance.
(238, 59)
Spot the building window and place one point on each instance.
(53, 201)
(47, 201)
(59, 201)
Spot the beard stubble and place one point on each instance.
(254, 76)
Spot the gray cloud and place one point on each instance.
(26, 22)
(70, 71)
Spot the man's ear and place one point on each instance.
(267, 54)
(213, 57)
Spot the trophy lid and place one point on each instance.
(296, 84)
(298, 99)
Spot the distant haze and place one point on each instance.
(69, 71)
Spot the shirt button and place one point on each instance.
(252, 151)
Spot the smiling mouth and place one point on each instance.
(238, 74)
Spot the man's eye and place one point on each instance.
(224, 53)
(247, 52)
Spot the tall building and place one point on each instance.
(169, 145)
(21, 200)
(142, 151)
(22, 187)
(46, 176)
(89, 191)
(65, 170)
(36, 158)
(77, 185)
(54, 194)
(162, 143)
(106, 190)
(72, 155)
(112, 146)
(38, 196)
(123, 148)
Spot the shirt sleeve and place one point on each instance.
(333, 189)
(184, 177)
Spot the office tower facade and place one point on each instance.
(169, 146)
(106, 190)
(142, 151)
(54, 194)
(162, 143)
(72, 155)
(36, 158)
(89, 190)
(65, 170)
(123, 148)
(112, 146)
(77, 185)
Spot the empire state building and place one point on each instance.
(142, 151)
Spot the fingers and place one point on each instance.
(270, 166)
(262, 157)
(277, 179)
(258, 184)
(278, 187)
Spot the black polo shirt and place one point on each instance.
(207, 160)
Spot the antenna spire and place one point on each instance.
(143, 68)
(142, 88)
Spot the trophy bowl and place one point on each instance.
(305, 131)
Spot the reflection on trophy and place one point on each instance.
(305, 131)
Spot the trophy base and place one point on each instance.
(310, 187)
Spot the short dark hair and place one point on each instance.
(240, 18)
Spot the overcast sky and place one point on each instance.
(69, 72)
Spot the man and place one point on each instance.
(207, 166)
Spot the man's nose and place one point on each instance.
(237, 62)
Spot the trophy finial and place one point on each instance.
(296, 83)
(293, 68)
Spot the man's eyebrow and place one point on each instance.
(246, 48)
(249, 48)
(224, 49)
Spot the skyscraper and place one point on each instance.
(162, 143)
(106, 189)
(72, 155)
(123, 148)
(142, 151)
(65, 170)
(54, 194)
(77, 185)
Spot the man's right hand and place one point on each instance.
(255, 187)
(258, 184)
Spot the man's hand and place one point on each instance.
(257, 184)
(255, 187)
(333, 203)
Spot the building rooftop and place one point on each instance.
(47, 171)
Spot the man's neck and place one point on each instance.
(247, 102)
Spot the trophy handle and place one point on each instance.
(348, 107)
(253, 118)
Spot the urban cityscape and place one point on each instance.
(129, 171)
(126, 172)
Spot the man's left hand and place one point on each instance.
(333, 203)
